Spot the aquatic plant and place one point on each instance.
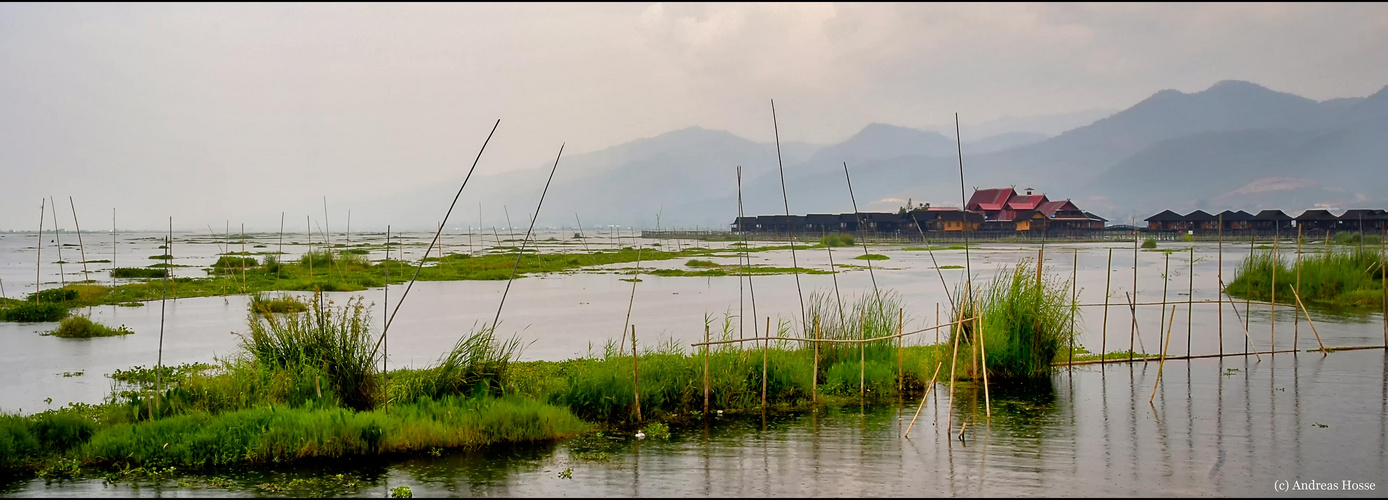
(52, 295)
(476, 366)
(1149, 243)
(262, 303)
(1023, 321)
(872, 256)
(33, 313)
(81, 327)
(837, 240)
(1347, 277)
(138, 272)
(333, 342)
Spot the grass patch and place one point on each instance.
(264, 304)
(837, 240)
(80, 327)
(28, 312)
(700, 263)
(1149, 243)
(1341, 278)
(872, 256)
(138, 272)
(1023, 322)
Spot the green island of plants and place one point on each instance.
(81, 327)
(1341, 278)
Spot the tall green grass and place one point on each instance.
(81, 327)
(138, 272)
(1024, 322)
(334, 342)
(1347, 277)
(477, 365)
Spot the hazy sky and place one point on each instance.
(220, 111)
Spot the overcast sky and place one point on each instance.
(218, 111)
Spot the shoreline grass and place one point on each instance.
(81, 327)
(1342, 278)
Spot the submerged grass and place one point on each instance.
(138, 272)
(1340, 278)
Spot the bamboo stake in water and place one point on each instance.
(1296, 320)
(1165, 282)
(279, 251)
(1108, 279)
(1247, 339)
(113, 245)
(928, 387)
(38, 260)
(634, 278)
(1383, 275)
(81, 247)
(900, 317)
(1190, 294)
(764, 345)
(1272, 307)
(747, 258)
(58, 235)
(159, 364)
(1247, 302)
(1308, 320)
(526, 241)
(1132, 307)
(1219, 297)
(1132, 330)
(385, 348)
(953, 361)
(1162, 363)
(814, 378)
(983, 354)
(862, 360)
(706, 340)
(795, 266)
(1074, 299)
(635, 375)
(243, 257)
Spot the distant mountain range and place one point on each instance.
(1235, 145)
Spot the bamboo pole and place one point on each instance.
(1296, 320)
(58, 236)
(80, 246)
(1074, 299)
(1247, 302)
(159, 364)
(764, 347)
(1247, 339)
(631, 300)
(706, 339)
(113, 245)
(983, 354)
(243, 257)
(1308, 320)
(1272, 322)
(38, 260)
(1219, 297)
(1190, 294)
(928, 387)
(786, 202)
(1165, 283)
(900, 317)
(814, 375)
(279, 250)
(1133, 308)
(308, 226)
(385, 348)
(1162, 363)
(1383, 276)
(635, 375)
(1132, 330)
(526, 242)
(1108, 279)
(953, 361)
(862, 361)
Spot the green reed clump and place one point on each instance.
(865, 316)
(80, 327)
(52, 295)
(18, 443)
(227, 263)
(837, 240)
(1023, 321)
(477, 365)
(33, 313)
(277, 434)
(138, 272)
(1149, 243)
(333, 341)
(1348, 277)
(262, 303)
(700, 263)
(872, 256)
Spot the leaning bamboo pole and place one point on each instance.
(900, 315)
(764, 346)
(1132, 330)
(1108, 279)
(1165, 282)
(706, 391)
(983, 354)
(1162, 363)
(1272, 322)
(1074, 299)
(1308, 320)
(814, 373)
(1219, 297)
(635, 375)
(928, 387)
(1296, 320)
(1383, 277)
(38, 259)
(80, 246)
(953, 361)
(279, 249)
(795, 266)
(58, 235)
(1190, 294)
(159, 363)
(1247, 339)
(632, 300)
(1247, 301)
(113, 245)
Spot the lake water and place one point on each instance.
(1226, 426)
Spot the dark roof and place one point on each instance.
(1199, 216)
(780, 219)
(1232, 216)
(1316, 215)
(1028, 215)
(1362, 213)
(1271, 215)
(1091, 216)
(960, 215)
(1165, 215)
(822, 219)
(877, 216)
